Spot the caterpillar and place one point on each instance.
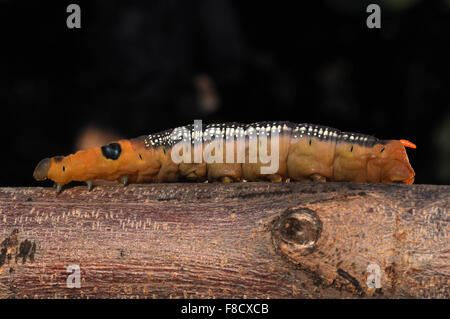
(303, 152)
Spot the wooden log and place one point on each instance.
(246, 240)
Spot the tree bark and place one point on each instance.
(245, 240)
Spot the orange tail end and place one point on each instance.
(407, 143)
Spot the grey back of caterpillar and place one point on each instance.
(306, 152)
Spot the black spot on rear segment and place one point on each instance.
(111, 151)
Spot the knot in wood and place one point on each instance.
(296, 232)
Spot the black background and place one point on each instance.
(131, 68)
(172, 308)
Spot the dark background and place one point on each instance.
(139, 67)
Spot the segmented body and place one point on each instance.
(305, 152)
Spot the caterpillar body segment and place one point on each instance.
(240, 152)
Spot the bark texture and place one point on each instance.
(246, 240)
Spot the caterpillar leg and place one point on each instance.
(226, 179)
(275, 178)
(58, 188)
(318, 178)
(124, 180)
(193, 172)
(191, 176)
(90, 185)
(224, 172)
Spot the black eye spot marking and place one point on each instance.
(382, 150)
(64, 168)
(351, 149)
(111, 151)
(140, 156)
(310, 142)
(164, 150)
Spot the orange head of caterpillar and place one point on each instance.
(55, 169)
(392, 162)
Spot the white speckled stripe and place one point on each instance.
(239, 130)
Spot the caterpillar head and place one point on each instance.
(391, 163)
(54, 168)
